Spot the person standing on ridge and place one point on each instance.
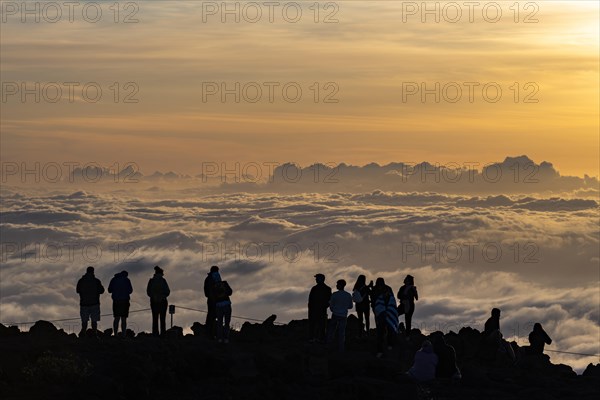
(386, 314)
(220, 293)
(360, 295)
(158, 291)
(211, 310)
(339, 304)
(89, 288)
(407, 296)
(120, 289)
(318, 302)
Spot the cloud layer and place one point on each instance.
(534, 257)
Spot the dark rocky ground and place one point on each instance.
(263, 361)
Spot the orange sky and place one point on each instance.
(370, 56)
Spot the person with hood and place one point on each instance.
(120, 289)
(407, 296)
(425, 363)
(318, 302)
(446, 367)
(360, 294)
(386, 314)
(211, 310)
(158, 291)
(538, 338)
(220, 292)
(89, 288)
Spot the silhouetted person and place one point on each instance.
(361, 294)
(446, 367)
(538, 338)
(407, 296)
(339, 304)
(318, 301)
(220, 292)
(492, 325)
(158, 291)
(386, 314)
(211, 314)
(89, 288)
(120, 289)
(425, 364)
(492, 336)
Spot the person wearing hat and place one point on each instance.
(89, 289)
(407, 296)
(120, 289)
(158, 291)
(318, 302)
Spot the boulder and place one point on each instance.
(43, 329)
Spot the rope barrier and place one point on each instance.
(233, 316)
(136, 311)
(577, 354)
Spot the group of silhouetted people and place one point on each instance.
(216, 290)
(378, 297)
(434, 359)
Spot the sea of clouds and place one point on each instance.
(534, 255)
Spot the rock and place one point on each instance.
(270, 321)
(175, 332)
(592, 371)
(198, 329)
(7, 331)
(43, 329)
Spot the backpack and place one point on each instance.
(221, 290)
(357, 297)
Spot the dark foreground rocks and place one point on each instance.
(264, 361)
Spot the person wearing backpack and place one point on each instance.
(158, 291)
(407, 296)
(360, 295)
(386, 314)
(211, 314)
(120, 289)
(220, 293)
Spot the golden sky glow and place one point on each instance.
(370, 55)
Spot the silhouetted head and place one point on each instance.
(214, 268)
(409, 280)
(320, 278)
(90, 270)
(537, 327)
(158, 270)
(380, 282)
(124, 273)
(360, 282)
(496, 312)
(427, 347)
(341, 284)
(438, 340)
